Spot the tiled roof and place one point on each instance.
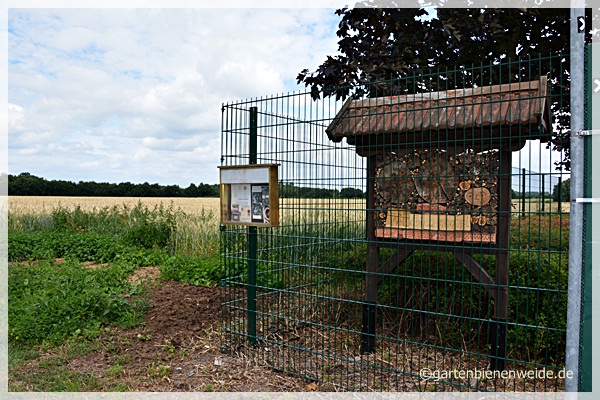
(453, 110)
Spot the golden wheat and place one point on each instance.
(45, 204)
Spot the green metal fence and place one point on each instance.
(423, 243)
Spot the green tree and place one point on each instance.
(351, 193)
(26, 184)
(561, 191)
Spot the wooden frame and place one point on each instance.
(249, 195)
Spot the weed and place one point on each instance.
(115, 371)
(146, 337)
(158, 370)
(54, 302)
(204, 271)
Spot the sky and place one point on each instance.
(135, 95)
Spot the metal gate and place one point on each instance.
(423, 238)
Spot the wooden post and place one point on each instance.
(367, 340)
(497, 337)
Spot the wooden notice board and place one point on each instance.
(249, 195)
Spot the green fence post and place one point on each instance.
(252, 237)
(523, 195)
(559, 206)
(543, 192)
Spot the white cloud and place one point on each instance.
(135, 95)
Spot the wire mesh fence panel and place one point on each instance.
(423, 235)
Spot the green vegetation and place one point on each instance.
(52, 302)
(69, 269)
(290, 191)
(530, 195)
(561, 191)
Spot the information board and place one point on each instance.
(250, 195)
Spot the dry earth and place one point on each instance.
(177, 348)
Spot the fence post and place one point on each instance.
(572, 362)
(252, 236)
(543, 193)
(591, 246)
(559, 206)
(523, 195)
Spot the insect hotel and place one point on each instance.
(439, 178)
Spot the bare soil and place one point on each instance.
(176, 348)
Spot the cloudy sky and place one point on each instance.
(130, 94)
(115, 95)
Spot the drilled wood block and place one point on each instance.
(434, 190)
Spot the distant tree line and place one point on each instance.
(530, 195)
(289, 190)
(560, 192)
(26, 184)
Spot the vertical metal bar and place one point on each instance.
(559, 207)
(576, 190)
(523, 195)
(543, 192)
(252, 236)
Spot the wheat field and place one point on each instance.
(45, 204)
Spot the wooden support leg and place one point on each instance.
(498, 325)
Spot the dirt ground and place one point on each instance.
(177, 348)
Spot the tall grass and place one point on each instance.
(158, 226)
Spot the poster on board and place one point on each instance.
(260, 203)
(240, 209)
